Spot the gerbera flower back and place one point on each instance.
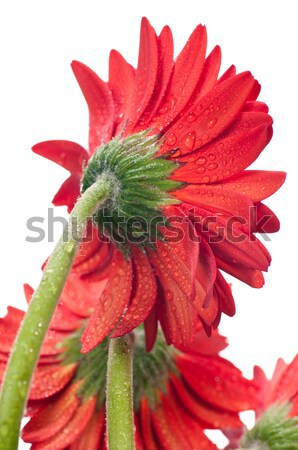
(177, 394)
(152, 128)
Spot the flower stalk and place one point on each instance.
(28, 343)
(119, 401)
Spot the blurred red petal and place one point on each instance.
(49, 380)
(220, 383)
(92, 434)
(53, 418)
(72, 429)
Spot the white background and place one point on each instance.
(39, 100)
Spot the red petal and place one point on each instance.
(166, 429)
(92, 434)
(146, 424)
(224, 295)
(165, 64)
(202, 411)
(256, 106)
(151, 327)
(97, 262)
(220, 383)
(81, 297)
(209, 73)
(53, 418)
(216, 198)
(184, 79)
(88, 247)
(144, 297)
(266, 220)
(206, 304)
(225, 157)
(72, 430)
(252, 277)
(111, 304)
(68, 192)
(122, 85)
(63, 319)
(255, 184)
(200, 124)
(175, 310)
(48, 380)
(205, 345)
(100, 103)
(287, 385)
(145, 73)
(230, 72)
(67, 154)
(230, 242)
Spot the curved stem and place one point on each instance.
(119, 403)
(27, 345)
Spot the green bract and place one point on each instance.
(275, 430)
(151, 369)
(141, 188)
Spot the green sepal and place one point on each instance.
(143, 188)
(275, 430)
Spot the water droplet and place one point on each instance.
(212, 157)
(201, 170)
(171, 139)
(212, 122)
(189, 141)
(106, 303)
(169, 295)
(191, 117)
(201, 161)
(212, 166)
(206, 179)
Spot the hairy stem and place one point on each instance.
(119, 404)
(28, 343)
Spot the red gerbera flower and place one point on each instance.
(177, 393)
(204, 132)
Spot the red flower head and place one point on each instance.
(177, 393)
(170, 132)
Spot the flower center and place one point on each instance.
(134, 213)
(151, 369)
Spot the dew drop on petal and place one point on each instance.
(212, 122)
(206, 179)
(212, 166)
(189, 141)
(212, 157)
(191, 117)
(201, 161)
(169, 295)
(171, 139)
(201, 170)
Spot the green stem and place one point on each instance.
(119, 403)
(27, 345)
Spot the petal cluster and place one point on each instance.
(213, 128)
(200, 390)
